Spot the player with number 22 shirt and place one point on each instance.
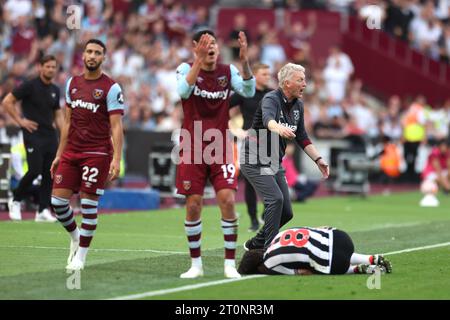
(87, 156)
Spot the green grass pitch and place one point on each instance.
(144, 252)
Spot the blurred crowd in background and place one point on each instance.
(425, 24)
(147, 40)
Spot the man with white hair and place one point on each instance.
(278, 118)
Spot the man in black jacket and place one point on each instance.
(278, 119)
(40, 109)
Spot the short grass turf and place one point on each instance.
(141, 252)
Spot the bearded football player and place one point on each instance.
(87, 157)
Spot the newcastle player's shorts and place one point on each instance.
(343, 249)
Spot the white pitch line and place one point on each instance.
(99, 249)
(184, 288)
(213, 283)
(438, 245)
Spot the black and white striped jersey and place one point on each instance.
(301, 248)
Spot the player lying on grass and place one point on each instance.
(306, 251)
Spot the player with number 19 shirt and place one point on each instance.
(206, 105)
(204, 87)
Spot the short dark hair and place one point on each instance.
(251, 261)
(196, 37)
(47, 58)
(96, 41)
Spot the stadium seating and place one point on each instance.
(391, 58)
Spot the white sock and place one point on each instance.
(197, 262)
(230, 263)
(81, 253)
(360, 259)
(75, 235)
(351, 269)
(230, 234)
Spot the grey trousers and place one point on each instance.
(274, 191)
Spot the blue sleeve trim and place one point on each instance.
(183, 87)
(114, 99)
(245, 88)
(68, 100)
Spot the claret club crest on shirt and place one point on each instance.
(58, 179)
(223, 81)
(97, 93)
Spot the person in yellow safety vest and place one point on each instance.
(19, 166)
(122, 168)
(118, 182)
(437, 125)
(414, 134)
(121, 171)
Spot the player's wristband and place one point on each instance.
(317, 159)
(248, 78)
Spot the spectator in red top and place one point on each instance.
(438, 164)
(123, 6)
(299, 34)
(22, 38)
(150, 11)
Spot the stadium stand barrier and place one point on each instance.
(394, 60)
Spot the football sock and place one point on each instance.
(229, 228)
(81, 253)
(361, 259)
(64, 214)
(193, 231)
(89, 221)
(352, 269)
